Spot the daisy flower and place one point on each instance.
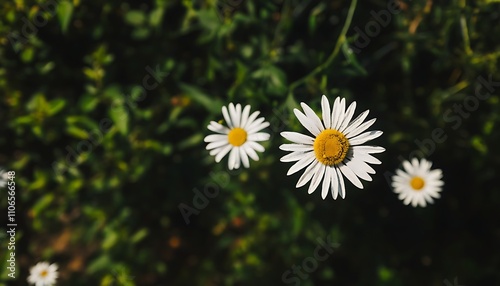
(417, 184)
(335, 150)
(3, 178)
(43, 274)
(240, 138)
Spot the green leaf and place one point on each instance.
(351, 58)
(156, 16)
(139, 235)
(211, 104)
(120, 117)
(82, 120)
(194, 140)
(135, 17)
(27, 54)
(42, 203)
(64, 13)
(56, 105)
(77, 132)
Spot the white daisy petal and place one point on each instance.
(215, 138)
(356, 122)
(306, 122)
(238, 115)
(261, 136)
(335, 183)
(364, 137)
(326, 182)
(226, 117)
(235, 118)
(232, 159)
(257, 128)
(254, 124)
(244, 158)
(335, 111)
(369, 149)
(218, 128)
(325, 108)
(316, 179)
(298, 138)
(244, 116)
(348, 116)
(350, 175)
(361, 128)
(252, 118)
(222, 153)
(296, 147)
(237, 159)
(308, 174)
(256, 146)
(216, 144)
(300, 164)
(251, 152)
(366, 157)
(339, 117)
(408, 167)
(312, 116)
(341, 183)
(358, 168)
(295, 156)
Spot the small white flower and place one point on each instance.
(335, 149)
(43, 274)
(417, 184)
(3, 178)
(240, 139)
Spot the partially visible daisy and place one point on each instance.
(3, 178)
(335, 150)
(240, 139)
(417, 184)
(43, 274)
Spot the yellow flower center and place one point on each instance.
(417, 183)
(237, 136)
(331, 147)
(44, 273)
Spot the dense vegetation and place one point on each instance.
(104, 107)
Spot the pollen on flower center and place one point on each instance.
(330, 147)
(417, 183)
(237, 136)
(44, 273)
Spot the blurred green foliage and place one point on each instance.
(105, 106)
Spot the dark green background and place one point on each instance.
(113, 217)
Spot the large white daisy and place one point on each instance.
(43, 274)
(417, 184)
(240, 139)
(335, 149)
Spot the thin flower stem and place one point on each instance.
(341, 39)
(465, 35)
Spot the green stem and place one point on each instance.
(465, 35)
(341, 39)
